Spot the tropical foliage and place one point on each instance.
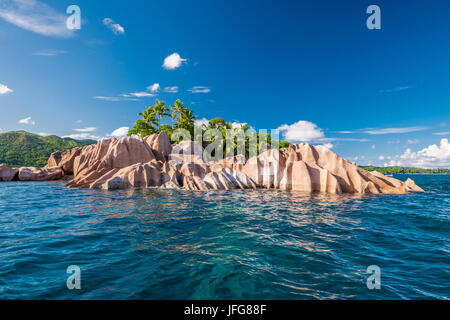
(183, 118)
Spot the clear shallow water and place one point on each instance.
(167, 244)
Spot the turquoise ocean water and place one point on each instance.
(265, 244)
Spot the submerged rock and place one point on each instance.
(412, 186)
(7, 173)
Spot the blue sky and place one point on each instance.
(311, 68)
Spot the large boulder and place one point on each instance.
(412, 186)
(234, 163)
(301, 176)
(194, 169)
(65, 159)
(97, 160)
(134, 176)
(303, 167)
(266, 169)
(133, 162)
(40, 174)
(7, 173)
(224, 179)
(160, 145)
(170, 175)
(54, 159)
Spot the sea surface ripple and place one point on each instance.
(265, 244)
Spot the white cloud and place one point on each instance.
(173, 61)
(132, 96)
(395, 130)
(35, 16)
(201, 122)
(328, 145)
(27, 121)
(237, 124)
(49, 52)
(373, 147)
(154, 88)
(4, 89)
(205, 122)
(381, 158)
(107, 98)
(120, 132)
(413, 141)
(114, 27)
(82, 136)
(346, 139)
(445, 133)
(140, 94)
(397, 89)
(200, 89)
(173, 89)
(434, 156)
(89, 129)
(301, 131)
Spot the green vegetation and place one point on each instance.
(24, 149)
(184, 118)
(406, 170)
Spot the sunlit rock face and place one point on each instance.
(64, 160)
(304, 167)
(97, 160)
(133, 162)
(160, 145)
(40, 174)
(134, 176)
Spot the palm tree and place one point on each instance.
(160, 111)
(149, 116)
(189, 117)
(144, 126)
(182, 115)
(178, 112)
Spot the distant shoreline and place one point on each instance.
(423, 174)
(406, 170)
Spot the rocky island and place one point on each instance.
(134, 162)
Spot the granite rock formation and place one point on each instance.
(153, 162)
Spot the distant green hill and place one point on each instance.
(21, 148)
(406, 170)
